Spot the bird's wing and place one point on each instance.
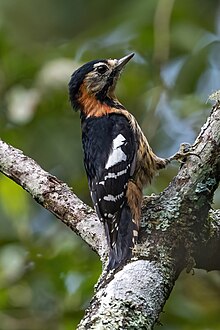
(109, 162)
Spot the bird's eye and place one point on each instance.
(102, 69)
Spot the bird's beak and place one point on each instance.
(122, 61)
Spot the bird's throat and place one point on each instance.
(90, 105)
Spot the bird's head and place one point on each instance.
(94, 83)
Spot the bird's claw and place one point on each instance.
(185, 151)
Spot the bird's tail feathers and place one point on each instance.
(125, 239)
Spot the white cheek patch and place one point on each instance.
(117, 155)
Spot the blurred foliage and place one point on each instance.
(46, 272)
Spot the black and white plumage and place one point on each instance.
(117, 157)
(110, 157)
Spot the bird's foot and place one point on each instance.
(185, 151)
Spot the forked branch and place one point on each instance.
(178, 230)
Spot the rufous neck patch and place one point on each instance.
(90, 106)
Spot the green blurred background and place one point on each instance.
(46, 272)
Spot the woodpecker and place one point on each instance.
(118, 159)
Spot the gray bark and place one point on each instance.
(54, 195)
(178, 230)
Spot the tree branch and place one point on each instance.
(175, 227)
(178, 217)
(177, 230)
(53, 195)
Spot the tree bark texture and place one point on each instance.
(178, 229)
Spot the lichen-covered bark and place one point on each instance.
(179, 216)
(132, 299)
(178, 230)
(175, 228)
(54, 195)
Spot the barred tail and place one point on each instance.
(124, 239)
